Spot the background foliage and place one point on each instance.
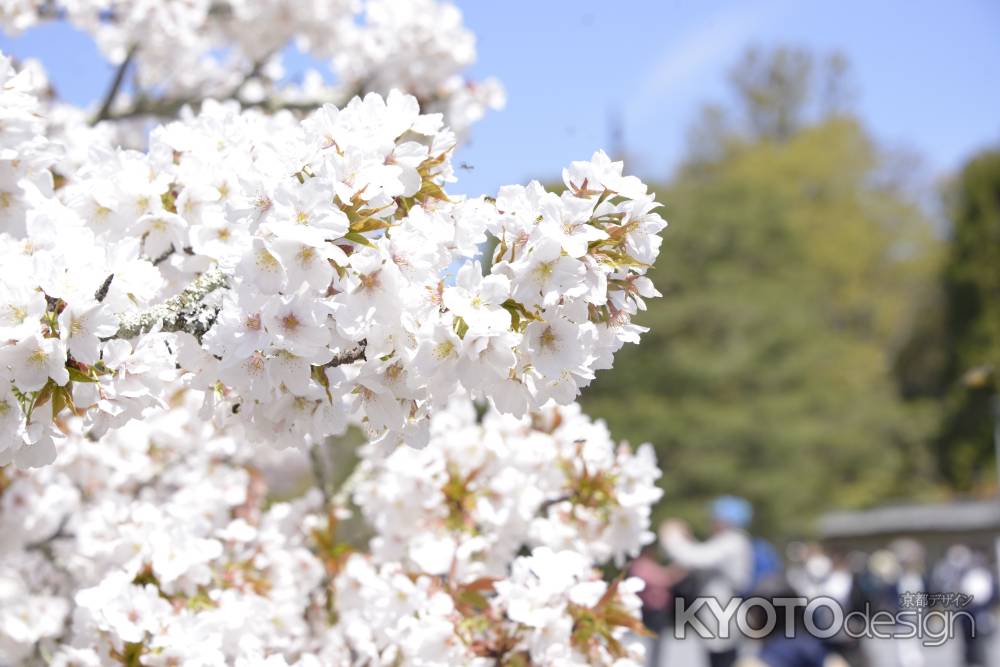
(816, 324)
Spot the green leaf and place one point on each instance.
(76, 375)
(58, 401)
(43, 396)
(359, 239)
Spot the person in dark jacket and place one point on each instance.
(779, 649)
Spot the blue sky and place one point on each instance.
(927, 74)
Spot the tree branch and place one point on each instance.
(116, 84)
(191, 310)
(319, 473)
(169, 107)
(544, 507)
(194, 311)
(102, 291)
(165, 255)
(348, 356)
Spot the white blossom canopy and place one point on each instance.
(214, 264)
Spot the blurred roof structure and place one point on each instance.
(963, 516)
(936, 526)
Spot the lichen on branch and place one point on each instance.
(193, 310)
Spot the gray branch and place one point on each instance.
(318, 466)
(170, 107)
(195, 310)
(192, 310)
(348, 356)
(116, 83)
(102, 291)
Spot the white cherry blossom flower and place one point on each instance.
(478, 300)
(33, 360)
(21, 310)
(82, 326)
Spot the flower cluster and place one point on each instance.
(420, 47)
(487, 487)
(300, 270)
(184, 51)
(161, 546)
(55, 313)
(25, 153)
(274, 264)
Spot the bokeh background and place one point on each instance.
(831, 274)
(829, 336)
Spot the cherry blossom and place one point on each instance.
(315, 283)
(221, 268)
(164, 545)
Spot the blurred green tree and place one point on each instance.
(790, 273)
(971, 282)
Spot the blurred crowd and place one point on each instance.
(732, 566)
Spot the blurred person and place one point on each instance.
(796, 555)
(809, 577)
(879, 581)
(947, 574)
(911, 580)
(768, 568)
(912, 566)
(962, 571)
(778, 649)
(894, 581)
(821, 574)
(656, 597)
(843, 586)
(789, 657)
(723, 563)
(979, 627)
